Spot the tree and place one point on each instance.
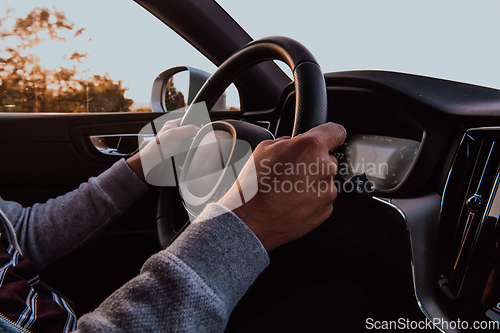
(28, 86)
(174, 99)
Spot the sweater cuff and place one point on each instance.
(223, 251)
(121, 184)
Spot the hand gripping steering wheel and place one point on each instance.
(310, 111)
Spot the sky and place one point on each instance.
(455, 40)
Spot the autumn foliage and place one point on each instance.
(26, 85)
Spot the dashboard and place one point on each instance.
(409, 136)
(437, 143)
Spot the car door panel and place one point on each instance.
(44, 156)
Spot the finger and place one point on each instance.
(330, 134)
(183, 132)
(282, 138)
(177, 134)
(174, 123)
(269, 143)
(333, 168)
(333, 159)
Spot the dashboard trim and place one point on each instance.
(421, 223)
(396, 208)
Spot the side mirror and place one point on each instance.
(176, 87)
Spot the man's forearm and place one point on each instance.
(50, 230)
(192, 286)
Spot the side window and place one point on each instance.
(90, 56)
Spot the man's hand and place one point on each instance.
(169, 139)
(296, 185)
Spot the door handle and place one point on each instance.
(123, 145)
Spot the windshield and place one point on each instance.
(455, 40)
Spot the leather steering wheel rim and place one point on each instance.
(311, 107)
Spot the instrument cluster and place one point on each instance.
(384, 160)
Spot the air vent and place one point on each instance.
(468, 225)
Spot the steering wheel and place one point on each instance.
(310, 111)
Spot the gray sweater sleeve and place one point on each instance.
(192, 286)
(48, 231)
